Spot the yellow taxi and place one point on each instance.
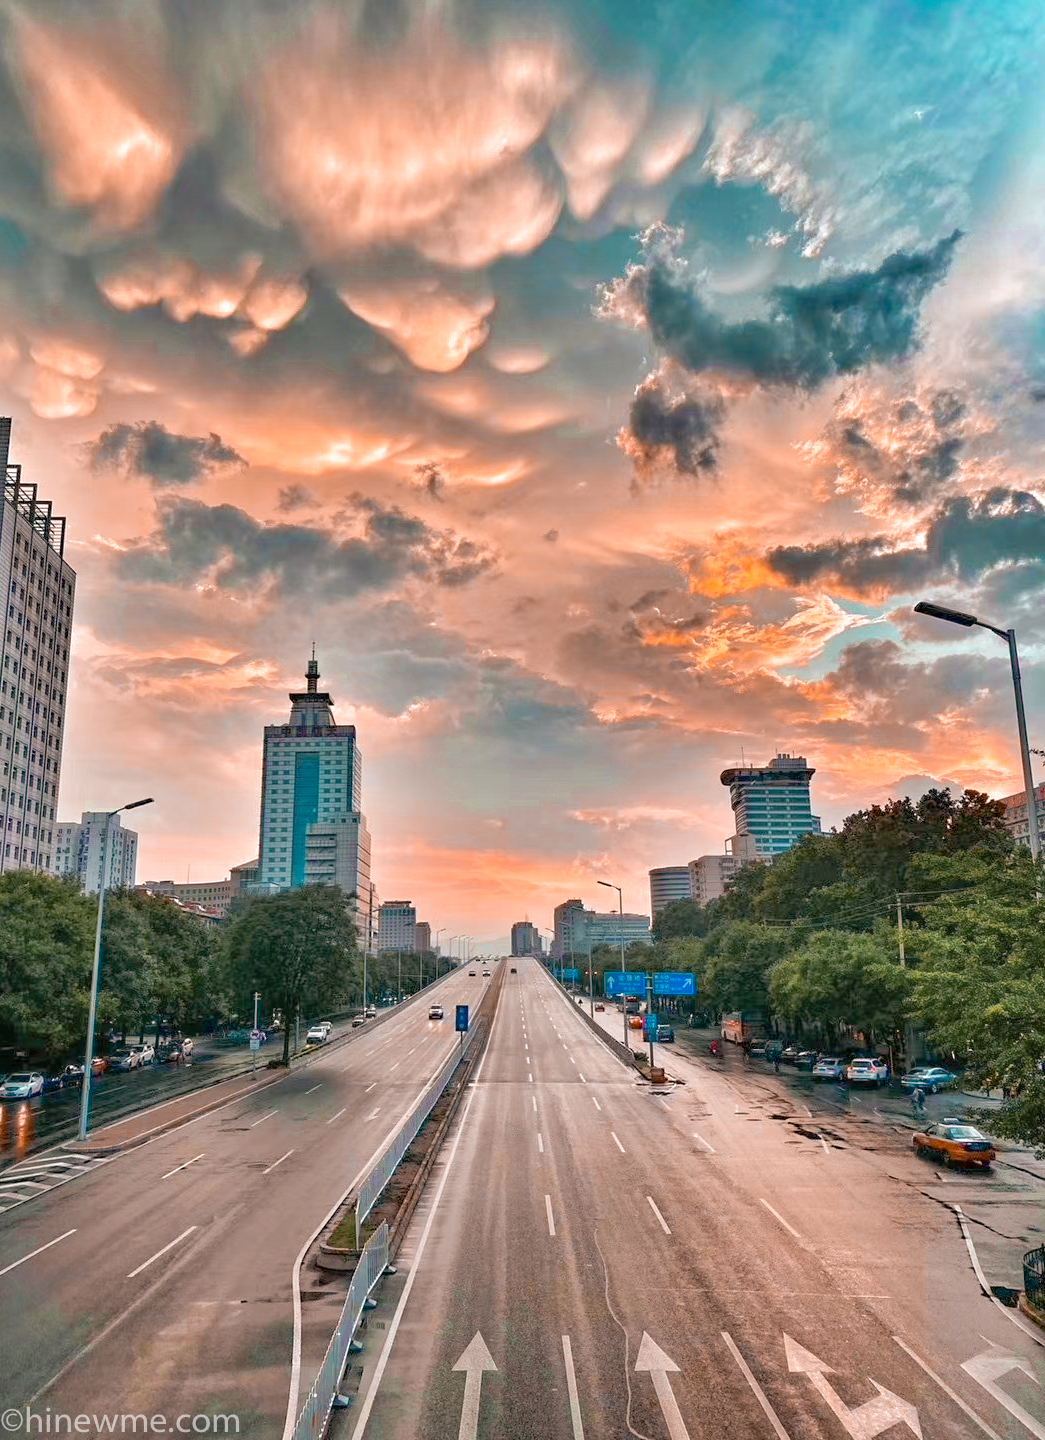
(954, 1142)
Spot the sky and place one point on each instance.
(597, 385)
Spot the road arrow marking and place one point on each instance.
(988, 1368)
(867, 1420)
(652, 1358)
(473, 1362)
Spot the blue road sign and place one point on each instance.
(624, 982)
(571, 974)
(649, 1027)
(462, 1018)
(671, 982)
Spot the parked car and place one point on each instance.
(316, 1035)
(757, 1050)
(828, 1067)
(435, 1012)
(866, 1070)
(73, 1074)
(665, 1033)
(146, 1053)
(789, 1054)
(927, 1077)
(99, 1064)
(371, 1011)
(357, 1020)
(55, 1080)
(124, 1059)
(22, 1086)
(327, 1025)
(954, 1141)
(805, 1059)
(486, 974)
(472, 973)
(514, 971)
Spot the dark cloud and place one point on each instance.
(430, 479)
(551, 536)
(150, 450)
(297, 497)
(923, 453)
(965, 539)
(834, 327)
(221, 544)
(665, 431)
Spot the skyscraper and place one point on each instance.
(79, 849)
(668, 884)
(36, 588)
(771, 806)
(396, 925)
(312, 831)
(526, 938)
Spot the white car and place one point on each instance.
(866, 1070)
(146, 1054)
(326, 1026)
(316, 1035)
(486, 974)
(22, 1086)
(827, 1068)
(435, 1012)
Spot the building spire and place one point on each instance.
(312, 673)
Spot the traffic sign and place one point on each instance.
(255, 1043)
(461, 1022)
(649, 1028)
(571, 974)
(673, 982)
(257, 1035)
(624, 982)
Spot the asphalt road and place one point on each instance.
(161, 1283)
(597, 1259)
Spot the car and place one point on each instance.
(54, 1080)
(471, 972)
(954, 1141)
(22, 1086)
(486, 974)
(73, 1074)
(317, 1034)
(326, 1026)
(805, 1059)
(435, 1012)
(757, 1050)
(866, 1070)
(146, 1053)
(99, 1064)
(357, 1020)
(927, 1077)
(827, 1068)
(635, 1021)
(370, 1012)
(789, 1054)
(665, 1033)
(599, 1005)
(124, 1059)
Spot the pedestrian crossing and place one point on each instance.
(29, 1179)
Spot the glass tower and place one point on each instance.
(771, 806)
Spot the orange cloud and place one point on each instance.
(435, 329)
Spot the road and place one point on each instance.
(597, 1259)
(162, 1283)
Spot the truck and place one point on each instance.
(744, 1025)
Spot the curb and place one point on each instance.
(1026, 1308)
(92, 1148)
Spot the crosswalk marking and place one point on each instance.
(28, 1179)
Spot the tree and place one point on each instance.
(297, 948)
(46, 946)
(737, 958)
(680, 918)
(842, 980)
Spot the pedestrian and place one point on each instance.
(918, 1103)
(776, 1061)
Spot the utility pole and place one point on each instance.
(899, 931)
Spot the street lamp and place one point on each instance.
(620, 901)
(958, 617)
(435, 949)
(88, 1062)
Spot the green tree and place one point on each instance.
(842, 980)
(46, 947)
(298, 949)
(735, 965)
(680, 918)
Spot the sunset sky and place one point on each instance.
(597, 384)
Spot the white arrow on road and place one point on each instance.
(473, 1362)
(867, 1420)
(988, 1368)
(652, 1358)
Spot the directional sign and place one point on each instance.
(988, 1368)
(473, 1362)
(624, 982)
(571, 974)
(255, 1043)
(867, 1420)
(671, 982)
(649, 1027)
(461, 1022)
(652, 1358)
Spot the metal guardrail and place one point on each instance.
(1034, 1277)
(373, 1262)
(385, 1167)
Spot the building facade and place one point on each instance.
(37, 587)
(578, 929)
(423, 937)
(312, 831)
(396, 924)
(526, 938)
(608, 929)
(242, 876)
(668, 884)
(80, 846)
(213, 895)
(709, 876)
(570, 929)
(1016, 817)
(771, 807)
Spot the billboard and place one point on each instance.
(673, 982)
(624, 982)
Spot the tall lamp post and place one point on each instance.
(620, 902)
(435, 949)
(88, 1061)
(958, 617)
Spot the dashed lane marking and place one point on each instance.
(777, 1216)
(38, 1251)
(277, 1162)
(709, 1148)
(264, 1117)
(548, 1210)
(621, 1148)
(183, 1167)
(660, 1217)
(145, 1264)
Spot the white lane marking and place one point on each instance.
(571, 1386)
(966, 1409)
(540, 1142)
(171, 1246)
(38, 1251)
(183, 1167)
(581, 1078)
(278, 1162)
(534, 1099)
(595, 1103)
(337, 1116)
(374, 1113)
(530, 1078)
(779, 1217)
(808, 1111)
(619, 1146)
(1028, 1329)
(548, 1209)
(395, 1066)
(823, 1142)
(369, 1088)
(759, 1393)
(315, 1087)
(264, 1117)
(660, 1217)
(410, 1052)
(705, 1144)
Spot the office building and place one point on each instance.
(37, 589)
(312, 831)
(570, 929)
(770, 806)
(242, 876)
(578, 929)
(423, 937)
(1016, 817)
(526, 938)
(607, 929)
(213, 895)
(709, 876)
(79, 851)
(668, 884)
(396, 924)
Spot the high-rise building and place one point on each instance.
(423, 937)
(571, 929)
(1016, 817)
(771, 807)
(396, 924)
(312, 831)
(578, 929)
(526, 938)
(709, 876)
(37, 589)
(80, 846)
(668, 884)
(607, 929)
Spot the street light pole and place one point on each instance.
(435, 949)
(958, 617)
(88, 1063)
(620, 902)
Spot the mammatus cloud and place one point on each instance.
(672, 430)
(150, 450)
(221, 545)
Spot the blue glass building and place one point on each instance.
(771, 805)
